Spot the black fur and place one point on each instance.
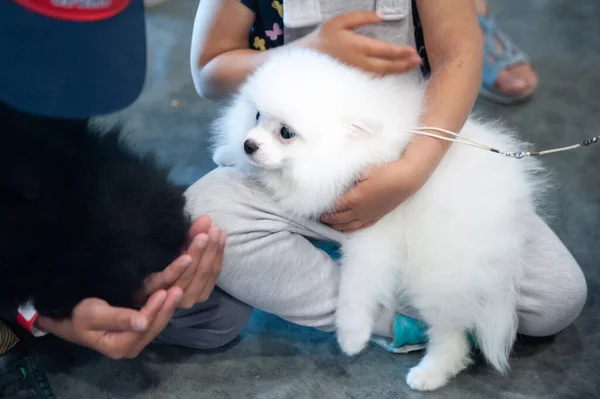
(81, 216)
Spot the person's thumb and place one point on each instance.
(165, 279)
(200, 225)
(99, 315)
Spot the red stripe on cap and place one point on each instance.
(76, 10)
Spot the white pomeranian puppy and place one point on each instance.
(307, 127)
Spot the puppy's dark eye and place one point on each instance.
(286, 133)
(257, 116)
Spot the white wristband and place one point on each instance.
(26, 317)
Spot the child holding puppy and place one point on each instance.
(266, 248)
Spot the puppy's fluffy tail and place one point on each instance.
(496, 330)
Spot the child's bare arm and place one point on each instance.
(455, 51)
(220, 58)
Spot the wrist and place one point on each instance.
(431, 148)
(40, 323)
(305, 42)
(423, 156)
(407, 176)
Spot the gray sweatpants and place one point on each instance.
(271, 264)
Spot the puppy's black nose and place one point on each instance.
(250, 147)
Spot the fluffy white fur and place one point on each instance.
(454, 250)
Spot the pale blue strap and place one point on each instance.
(493, 60)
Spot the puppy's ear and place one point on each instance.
(363, 128)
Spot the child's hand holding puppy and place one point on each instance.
(337, 38)
(380, 191)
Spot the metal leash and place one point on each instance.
(518, 155)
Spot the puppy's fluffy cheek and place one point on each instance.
(224, 156)
(267, 157)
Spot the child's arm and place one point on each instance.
(455, 50)
(221, 60)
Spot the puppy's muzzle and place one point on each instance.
(250, 147)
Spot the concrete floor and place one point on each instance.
(273, 359)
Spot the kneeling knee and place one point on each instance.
(224, 336)
(559, 311)
(209, 328)
(221, 332)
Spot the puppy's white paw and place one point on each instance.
(426, 378)
(353, 341)
(354, 328)
(354, 332)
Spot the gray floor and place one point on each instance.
(276, 360)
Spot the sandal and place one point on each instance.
(495, 60)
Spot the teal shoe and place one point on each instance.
(331, 248)
(410, 335)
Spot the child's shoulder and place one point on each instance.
(267, 31)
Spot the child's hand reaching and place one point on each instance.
(337, 38)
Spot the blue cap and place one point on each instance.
(56, 67)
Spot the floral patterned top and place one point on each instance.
(267, 31)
